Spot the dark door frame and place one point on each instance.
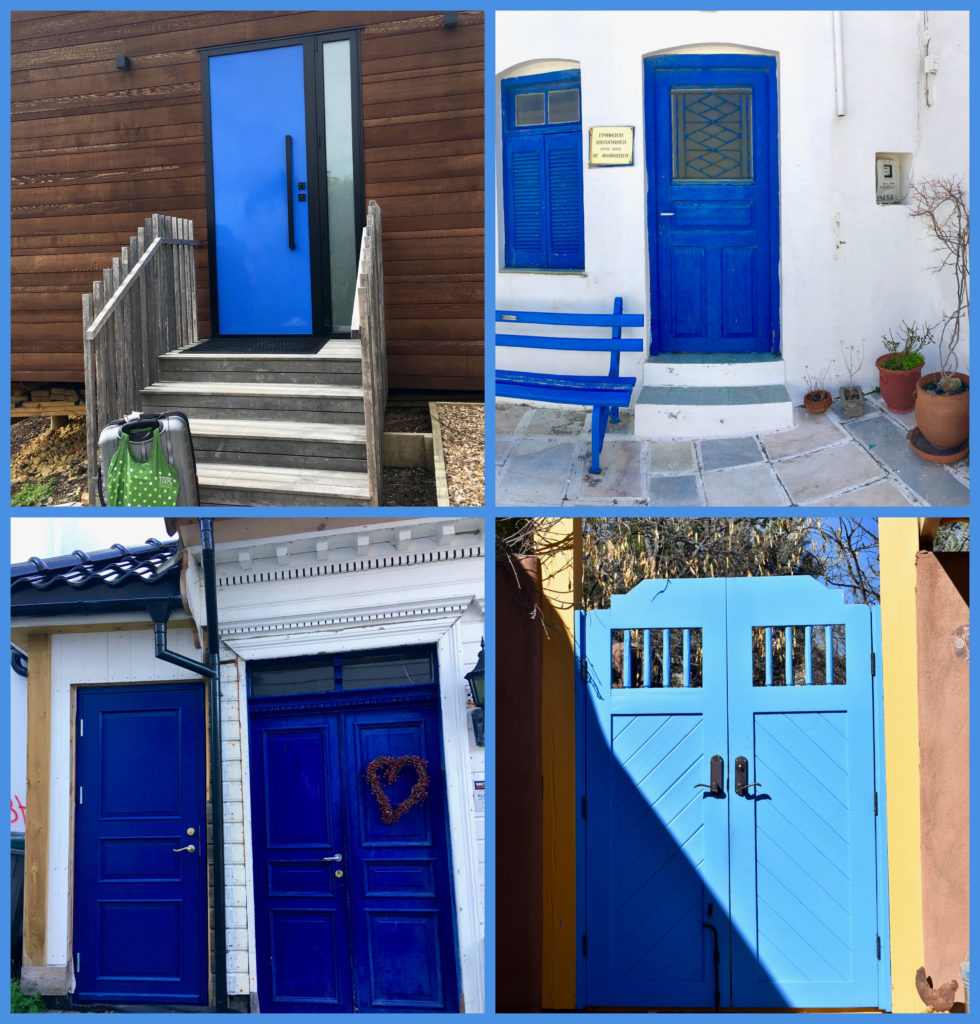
(315, 160)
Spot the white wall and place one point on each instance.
(850, 269)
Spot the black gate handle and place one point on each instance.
(742, 784)
(717, 786)
(289, 189)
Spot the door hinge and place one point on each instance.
(81, 727)
(585, 945)
(80, 795)
(78, 963)
(876, 804)
(873, 669)
(583, 666)
(584, 815)
(878, 945)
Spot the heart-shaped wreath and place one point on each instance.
(390, 768)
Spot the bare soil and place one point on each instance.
(42, 455)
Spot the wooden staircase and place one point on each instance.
(271, 430)
(283, 429)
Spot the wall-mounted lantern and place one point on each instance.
(475, 680)
(123, 64)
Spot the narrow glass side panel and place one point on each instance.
(339, 138)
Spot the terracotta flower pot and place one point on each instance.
(897, 386)
(817, 401)
(944, 420)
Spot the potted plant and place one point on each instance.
(817, 398)
(900, 368)
(942, 399)
(851, 395)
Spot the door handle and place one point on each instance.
(289, 190)
(742, 784)
(181, 849)
(717, 776)
(336, 856)
(666, 215)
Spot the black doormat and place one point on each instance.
(260, 345)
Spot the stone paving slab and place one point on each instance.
(811, 432)
(537, 471)
(931, 481)
(722, 453)
(679, 490)
(671, 456)
(622, 475)
(508, 417)
(881, 492)
(557, 422)
(746, 485)
(810, 478)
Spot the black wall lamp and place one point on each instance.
(476, 678)
(123, 64)
(450, 19)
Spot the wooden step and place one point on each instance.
(284, 443)
(220, 400)
(222, 484)
(341, 366)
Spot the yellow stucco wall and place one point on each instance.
(559, 543)
(898, 544)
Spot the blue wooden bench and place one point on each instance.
(605, 394)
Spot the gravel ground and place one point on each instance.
(48, 465)
(462, 446)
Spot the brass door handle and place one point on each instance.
(181, 849)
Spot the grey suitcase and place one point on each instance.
(175, 436)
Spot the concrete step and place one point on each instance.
(224, 484)
(284, 443)
(692, 413)
(713, 370)
(231, 400)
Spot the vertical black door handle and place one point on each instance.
(289, 189)
(717, 776)
(742, 784)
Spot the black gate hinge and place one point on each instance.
(873, 670)
(584, 815)
(585, 945)
(582, 667)
(878, 945)
(876, 804)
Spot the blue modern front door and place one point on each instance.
(354, 908)
(711, 150)
(732, 826)
(139, 931)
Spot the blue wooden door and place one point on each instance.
(730, 830)
(139, 926)
(711, 132)
(353, 913)
(258, 142)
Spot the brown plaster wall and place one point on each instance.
(942, 618)
(517, 693)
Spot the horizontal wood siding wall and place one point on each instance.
(94, 151)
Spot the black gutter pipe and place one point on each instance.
(217, 790)
(212, 672)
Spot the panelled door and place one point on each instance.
(730, 803)
(284, 167)
(139, 924)
(353, 912)
(712, 203)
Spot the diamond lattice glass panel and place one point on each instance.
(528, 109)
(798, 656)
(562, 106)
(711, 131)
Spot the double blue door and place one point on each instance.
(353, 912)
(711, 133)
(732, 818)
(139, 931)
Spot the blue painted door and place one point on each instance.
(139, 925)
(259, 172)
(731, 829)
(711, 148)
(353, 913)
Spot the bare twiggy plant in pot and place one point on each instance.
(942, 399)
(900, 368)
(851, 395)
(817, 398)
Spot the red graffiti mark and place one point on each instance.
(18, 812)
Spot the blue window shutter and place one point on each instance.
(525, 194)
(566, 250)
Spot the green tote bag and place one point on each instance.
(132, 483)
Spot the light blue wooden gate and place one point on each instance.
(731, 843)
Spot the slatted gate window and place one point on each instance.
(544, 224)
(656, 658)
(798, 656)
